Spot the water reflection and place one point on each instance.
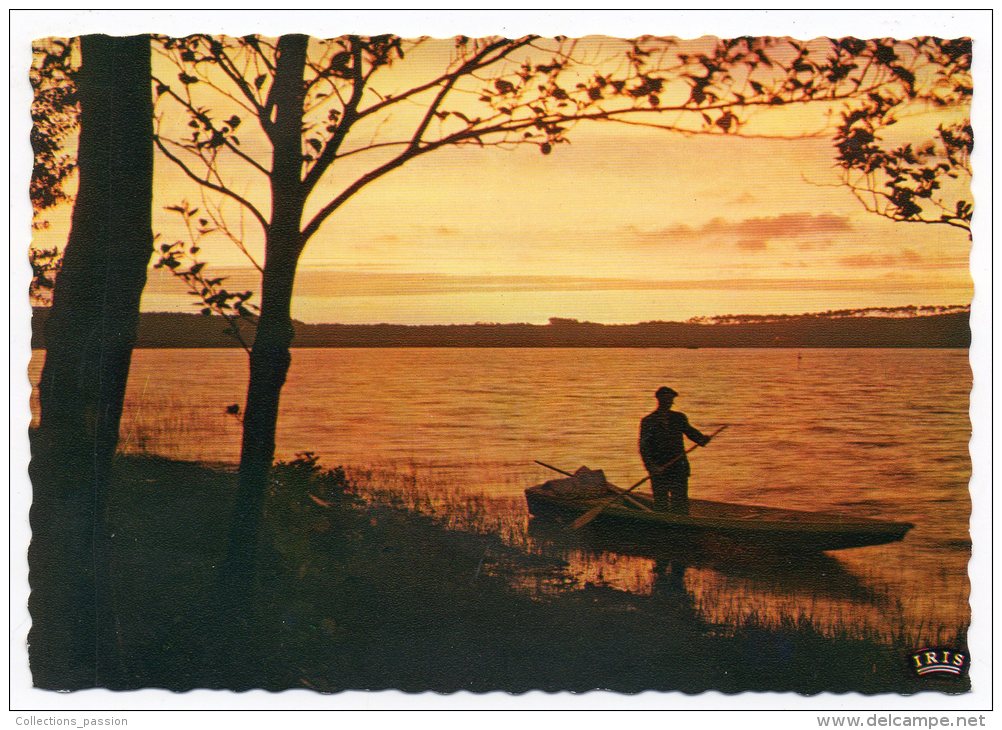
(726, 585)
(807, 576)
(669, 578)
(470, 422)
(669, 585)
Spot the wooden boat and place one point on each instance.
(746, 525)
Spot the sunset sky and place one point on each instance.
(624, 224)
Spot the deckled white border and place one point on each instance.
(901, 23)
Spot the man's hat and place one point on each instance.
(664, 392)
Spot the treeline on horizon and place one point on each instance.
(947, 327)
(910, 310)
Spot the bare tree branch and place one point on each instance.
(229, 68)
(256, 42)
(716, 132)
(348, 118)
(445, 76)
(207, 81)
(215, 213)
(533, 102)
(228, 143)
(210, 185)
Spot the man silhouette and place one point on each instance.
(663, 452)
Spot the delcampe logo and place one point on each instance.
(926, 662)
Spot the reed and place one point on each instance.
(373, 579)
(875, 616)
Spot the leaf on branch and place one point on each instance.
(340, 60)
(885, 54)
(259, 81)
(907, 76)
(187, 79)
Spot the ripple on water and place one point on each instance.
(485, 414)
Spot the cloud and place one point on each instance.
(814, 245)
(325, 283)
(746, 198)
(329, 295)
(754, 234)
(881, 260)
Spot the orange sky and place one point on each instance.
(624, 224)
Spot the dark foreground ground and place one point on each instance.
(363, 596)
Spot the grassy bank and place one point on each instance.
(370, 594)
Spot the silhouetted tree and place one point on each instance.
(89, 337)
(45, 264)
(924, 181)
(55, 118)
(324, 106)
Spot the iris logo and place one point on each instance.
(926, 662)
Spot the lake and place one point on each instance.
(872, 433)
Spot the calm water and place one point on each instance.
(874, 433)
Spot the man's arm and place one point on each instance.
(695, 434)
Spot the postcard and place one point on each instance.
(502, 362)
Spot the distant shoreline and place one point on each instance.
(948, 331)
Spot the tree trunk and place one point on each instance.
(270, 356)
(89, 338)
